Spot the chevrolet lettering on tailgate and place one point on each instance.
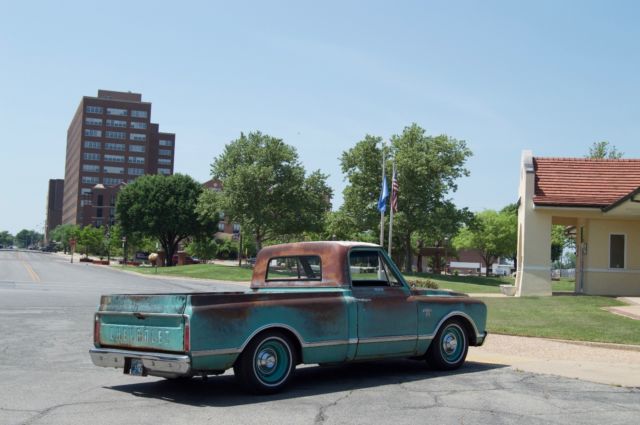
(309, 302)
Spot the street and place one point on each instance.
(46, 318)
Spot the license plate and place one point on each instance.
(137, 368)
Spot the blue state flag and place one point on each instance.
(384, 194)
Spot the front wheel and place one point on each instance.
(448, 350)
(267, 363)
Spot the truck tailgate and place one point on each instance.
(145, 322)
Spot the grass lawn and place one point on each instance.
(563, 285)
(564, 317)
(202, 271)
(467, 284)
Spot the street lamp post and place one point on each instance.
(446, 257)
(108, 235)
(124, 251)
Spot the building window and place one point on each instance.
(164, 152)
(136, 148)
(117, 111)
(166, 142)
(86, 191)
(221, 226)
(90, 168)
(89, 180)
(90, 156)
(115, 135)
(136, 171)
(236, 228)
(114, 158)
(94, 109)
(113, 170)
(93, 121)
(139, 125)
(109, 181)
(136, 160)
(221, 215)
(164, 171)
(616, 251)
(139, 114)
(164, 161)
(139, 137)
(92, 133)
(114, 146)
(90, 144)
(116, 123)
(85, 202)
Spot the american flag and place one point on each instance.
(394, 191)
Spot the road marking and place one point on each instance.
(32, 273)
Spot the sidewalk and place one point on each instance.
(602, 364)
(631, 311)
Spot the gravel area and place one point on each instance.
(606, 364)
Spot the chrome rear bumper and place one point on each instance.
(156, 364)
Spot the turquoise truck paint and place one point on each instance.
(331, 319)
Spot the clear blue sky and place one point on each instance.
(505, 76)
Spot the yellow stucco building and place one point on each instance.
(600, 200)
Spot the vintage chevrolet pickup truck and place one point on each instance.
(309, 302)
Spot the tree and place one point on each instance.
(90, 240)
(26, 238)
(602, 150)
(493, 233)
(266, 191)
(6, 238)
(63, 233)
(427, 168)
(444, 224)
(162, 207)
(512, 211)
(204, 248)
(362, 166)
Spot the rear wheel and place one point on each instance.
(448, 350)
(267, 363)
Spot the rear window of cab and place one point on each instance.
(295, 267)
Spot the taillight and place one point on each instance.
(187, 334)
(96, 330)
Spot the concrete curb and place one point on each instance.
(609, 345)
(183, 278)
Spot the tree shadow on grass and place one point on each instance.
(223, 390)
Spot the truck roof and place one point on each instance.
(333, 259)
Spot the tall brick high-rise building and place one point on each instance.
(54, 207)
(110, 142)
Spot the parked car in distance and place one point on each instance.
(187, 260)
(309, 302)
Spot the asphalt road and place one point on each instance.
(46, 376)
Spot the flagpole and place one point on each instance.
(382, 210)
(393, 177)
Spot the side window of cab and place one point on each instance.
(370, 268)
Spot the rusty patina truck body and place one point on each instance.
(310, 302)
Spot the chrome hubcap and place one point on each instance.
(266, 360)
(450, 343)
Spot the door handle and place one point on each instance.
(363, 300)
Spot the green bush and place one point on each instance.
(423, 283)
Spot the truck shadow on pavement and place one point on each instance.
(223, 390)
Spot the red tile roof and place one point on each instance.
(582, 182)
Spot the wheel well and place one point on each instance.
(468, 328)
(297, 346)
